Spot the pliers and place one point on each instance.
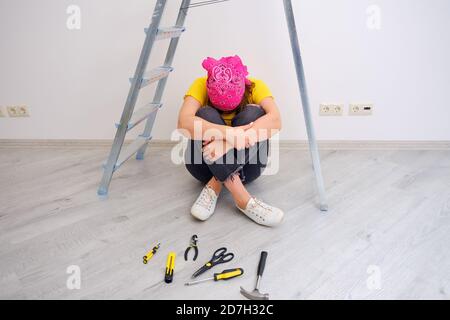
(194, 241)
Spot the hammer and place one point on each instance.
(255, 294)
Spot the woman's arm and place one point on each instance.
(206, 131)
(187, 121)
(272, 119)
(262, 129)
(267, 126)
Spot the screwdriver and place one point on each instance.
(224, 275)
(151, 253)
(170, 267)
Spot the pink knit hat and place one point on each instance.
(226, 83)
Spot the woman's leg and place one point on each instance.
(205, 204)
(195, 164)
(238, 191)
(255, 158)
(235, 184)
(205, 171)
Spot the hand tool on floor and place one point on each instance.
(219, 257)
(151, 253)
(255, 294)
(193, 245)
(224, 275)
(170, 267)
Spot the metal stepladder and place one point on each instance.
(141, 79)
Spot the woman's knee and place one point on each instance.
(210, 114)
(249, 114)
(199, 172)
(251, 172)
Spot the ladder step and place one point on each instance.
(131, 150)
(154, 75)
(142, 114)
(168, 33)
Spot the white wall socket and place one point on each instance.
(2, 112)
(18, 111)
(361, 109)
(331, 109)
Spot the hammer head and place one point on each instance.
(254, 295)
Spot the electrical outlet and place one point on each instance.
(2, 112)
(18, 111)
(361, 109)
(331, 109)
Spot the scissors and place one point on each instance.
(219, 257)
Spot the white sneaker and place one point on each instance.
(262, 213)
(205, 205)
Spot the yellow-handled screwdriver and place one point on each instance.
(224, 275)
(151, 253)
(170, 267)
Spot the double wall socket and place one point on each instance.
(18, 111)
(331, 109)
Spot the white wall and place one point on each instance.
(76, 82)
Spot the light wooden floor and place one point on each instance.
(390, 210)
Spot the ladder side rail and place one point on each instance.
(182, 14)
(132, 98)
(305, 103)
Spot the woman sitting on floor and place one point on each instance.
(229, 119)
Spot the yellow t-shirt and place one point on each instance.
(199, 92)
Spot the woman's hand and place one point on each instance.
(216, 149)
(239, 137)
(251, 138)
